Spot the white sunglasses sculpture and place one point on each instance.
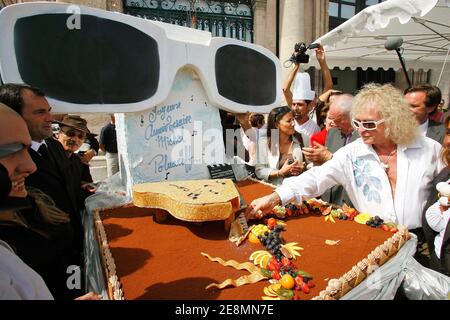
(120, 63)
(165, 83)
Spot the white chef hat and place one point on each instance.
(302, 87)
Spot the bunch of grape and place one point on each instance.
(375, 222)
(272, 241)
(288, 270)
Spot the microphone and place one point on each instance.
(393, 43)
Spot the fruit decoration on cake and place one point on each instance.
(275, 264)
(278, 263)
(330, 213)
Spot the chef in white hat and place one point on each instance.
(303, 100)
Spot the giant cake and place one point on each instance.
(143, 259)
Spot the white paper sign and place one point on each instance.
(175, 140)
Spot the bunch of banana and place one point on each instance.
(292, 248)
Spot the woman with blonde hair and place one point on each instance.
(387, 172)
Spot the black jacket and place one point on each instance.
(56, 179)
(436, 131)
(46, 248)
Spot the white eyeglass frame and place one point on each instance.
(360, 124)
(177, 47)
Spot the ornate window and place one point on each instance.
(232, 18)
(341, 10)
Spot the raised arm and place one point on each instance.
(287, 85)
(244, 120)
(326, 74)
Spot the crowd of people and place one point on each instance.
(382, 151)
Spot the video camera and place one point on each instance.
(299, 55)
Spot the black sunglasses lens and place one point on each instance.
(245, 76)
(103, 61)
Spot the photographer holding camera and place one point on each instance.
(304, 100)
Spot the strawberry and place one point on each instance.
(296, 297)
(271, 222)
(278, 266)
(275, 264)
(276, 275)
(273, 260)
(291, 209)
(310, 284)
(305, 288)
(270, 266)
(299, 281)
(385, 227)
(393, 230)
(285, 261)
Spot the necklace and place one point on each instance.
(386, 165)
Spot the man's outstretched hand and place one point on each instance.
(258, 208)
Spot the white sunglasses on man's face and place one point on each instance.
(91, 60)
(368, 125)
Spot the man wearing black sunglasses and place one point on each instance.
(72, 134)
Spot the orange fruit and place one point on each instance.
(253, 238)
(287, 281)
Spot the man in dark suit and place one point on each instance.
(424, 99)
(53, 174)
(340, 134)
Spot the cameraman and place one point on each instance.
(302, 107)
